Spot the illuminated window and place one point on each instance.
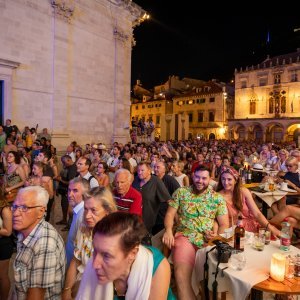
(252, 107)
(283, 104)
(271, 105)
(200, 116)
(277, 78)
(263, 81)
(157, 120)
(294, 76)
(211, 116)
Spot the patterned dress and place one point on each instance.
(197, 212)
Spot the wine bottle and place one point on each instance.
(249, 175)
(239, 235)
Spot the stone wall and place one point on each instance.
(71, 68)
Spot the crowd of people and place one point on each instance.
(119, 205)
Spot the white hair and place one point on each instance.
(120, 171)
(41, 196)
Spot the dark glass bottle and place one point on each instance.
(249, 175)
(239, 235)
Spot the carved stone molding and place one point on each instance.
(9, 63)
(64, 8)
(120, 35)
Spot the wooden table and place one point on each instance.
(287, 287)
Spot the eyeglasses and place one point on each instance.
(218, 158)
(22, 208)
(289, 166)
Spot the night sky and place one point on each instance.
(188, 41)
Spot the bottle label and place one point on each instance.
(285, 242)
(242, 242)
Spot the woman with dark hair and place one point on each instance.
(121, 268)
(39, 179)
(6, 247)
(78, 154)
(240, 202)
(125, 164)
(14, 176)
(9, 146)
(95, 162)
(101, 174)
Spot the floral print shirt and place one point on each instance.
(83, 250)
(197, 212)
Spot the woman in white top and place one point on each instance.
(183, 179)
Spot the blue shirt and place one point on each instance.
(77, 220)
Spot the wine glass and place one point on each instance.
(237, 260)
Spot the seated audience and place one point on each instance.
(98, 202)
(121, 268)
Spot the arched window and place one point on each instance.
(252, 107)
(271, 105)
(283, 104)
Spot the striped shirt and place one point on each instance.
(131, 202)
(40, 262)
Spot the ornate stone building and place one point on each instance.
(66, 65)
(267, 100)
(204, 111)
(158, 105)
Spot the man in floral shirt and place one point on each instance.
(197, 207)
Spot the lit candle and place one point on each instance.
(254, 159)
(246, 164)
(277, 269)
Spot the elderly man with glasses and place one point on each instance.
(39, 267)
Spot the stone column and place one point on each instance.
(168, 119)
(183, 127)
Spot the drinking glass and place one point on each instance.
(259, 242)
(267, 233)
(237, 260)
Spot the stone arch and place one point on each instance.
(212, 136)
(274, 132)
(240, 131)
(256, 132)
(293, 133)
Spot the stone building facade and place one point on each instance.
(187, 108)
(267, 100)
(66, 65)
(205, 110)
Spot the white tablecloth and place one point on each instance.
(270, 197)
(238, 283)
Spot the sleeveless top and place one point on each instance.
(180, 179)
(249, 220)
(157, 258)
(12, 179)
